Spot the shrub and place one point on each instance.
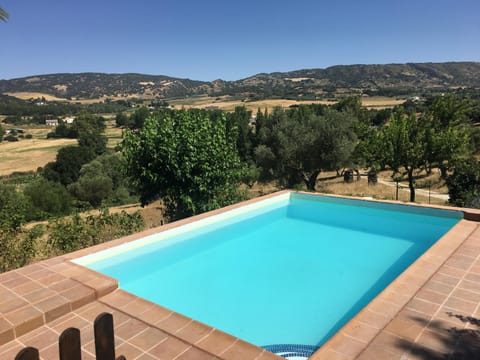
(10, 138)
(73, 233)
(48, 199)
(464, 184)
(17, 246)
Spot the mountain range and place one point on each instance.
(386, 80)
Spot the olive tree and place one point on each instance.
(404, 146)
(299, 146)
(185, 158)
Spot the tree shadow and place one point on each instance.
(462, 343)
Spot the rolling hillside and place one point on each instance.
(387, 80)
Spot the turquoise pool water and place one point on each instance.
(289, 270)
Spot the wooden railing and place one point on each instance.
(70, 347)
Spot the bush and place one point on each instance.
(13, 208)
(70, 234)
(10, 138)
(48, 199)
(17, 246)
(464, 184)
(92, 189)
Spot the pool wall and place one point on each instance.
(355, 336)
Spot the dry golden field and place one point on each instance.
(34, 95)
(114, 136)
(30, 154)
(38, 95)
(374, 102)
(380, 102)
(227, 105)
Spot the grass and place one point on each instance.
(330, 184)
(53, 148)
(29, 154)
(114, 136)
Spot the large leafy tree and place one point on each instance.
(241, 119)
(185, 158)
(66, 168)
(447, 136)
(90, 132)
(101, 181)
(300, 144)
(404, 146)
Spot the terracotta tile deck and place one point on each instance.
(430, 311)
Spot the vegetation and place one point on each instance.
(187, 158)
(47, 199)
(297, 145)
(16, 243)
(73, 233)
(464, 184)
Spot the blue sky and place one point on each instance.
(211, 39)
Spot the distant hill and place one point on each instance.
(387, 80)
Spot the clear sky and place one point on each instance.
(231, 39)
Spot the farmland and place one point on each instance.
(30, 154)
(223, 103)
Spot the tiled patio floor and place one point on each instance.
(431, 310)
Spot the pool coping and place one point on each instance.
(348, 343)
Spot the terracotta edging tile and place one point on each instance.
(193, 353)
(194, 331)
(216, 342)
(169, 348)
(6, 331)
(241, 350)
(25, 319)
(53, 307)
(173, 323)
(148, 339)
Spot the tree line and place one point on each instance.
(166, 152)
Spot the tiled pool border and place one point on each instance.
(348, 343)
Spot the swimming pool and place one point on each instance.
(288, 270)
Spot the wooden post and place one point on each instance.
(29, 353)
(69, 345)
(104, 338)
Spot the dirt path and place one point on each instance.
(404, 187)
